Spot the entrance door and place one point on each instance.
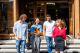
(59, 10)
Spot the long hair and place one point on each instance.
(35, 20)
(61, 22)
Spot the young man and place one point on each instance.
(47, 30)
(36, 29)
(20, 31)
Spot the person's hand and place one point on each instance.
(26, 40)
(18, 37)
(35, 31)
(38, 33)
(44, 38)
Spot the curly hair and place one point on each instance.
(22, 16)
(61, 22)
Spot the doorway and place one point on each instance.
(59, 11)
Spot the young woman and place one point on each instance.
(59, 36)
(36, 29)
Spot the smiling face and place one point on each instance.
(59, 23)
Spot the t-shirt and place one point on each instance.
(49, 27)
(36, 26)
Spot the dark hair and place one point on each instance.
(23, 15)
(48, 15)
(35, 20)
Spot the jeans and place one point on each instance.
(50, 45)
(22, 43)
(36, 44)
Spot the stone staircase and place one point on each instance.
(8, 46)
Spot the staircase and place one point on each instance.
(8, 46)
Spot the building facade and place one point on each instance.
(67, 10)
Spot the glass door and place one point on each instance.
(40, 11)
(29, 11)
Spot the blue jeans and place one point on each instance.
(50, 45)
(22, 43)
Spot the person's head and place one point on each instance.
(48, 16)
(23, 17)
(59, 22)
(37, 20)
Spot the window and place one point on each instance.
(29, 12)
(40, 11)
(6, 17)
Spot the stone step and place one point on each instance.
(41, 50)
(41, 46)
(12, 42)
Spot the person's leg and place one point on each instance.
(52, 43)
(48, 44)
(23, 43)
(37, 44)
(33, 44)
(61, 51)
(57, 52)
(18, 46)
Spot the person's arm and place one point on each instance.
(15, 29)
(36, 33)
(65, 43)
(27, 37)
(27, 34)
(65, 37)
(44, 32)
(41, 29)
(54, 42)
(15, 33)
(33, 32)
(53, 36)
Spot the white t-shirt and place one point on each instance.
(49, 27)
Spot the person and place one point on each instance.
(59, 36)
(47, 30)
(36, 29)
(20, 31)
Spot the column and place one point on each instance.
(77, 18)
(15, 10)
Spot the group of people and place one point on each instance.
(53, 32)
